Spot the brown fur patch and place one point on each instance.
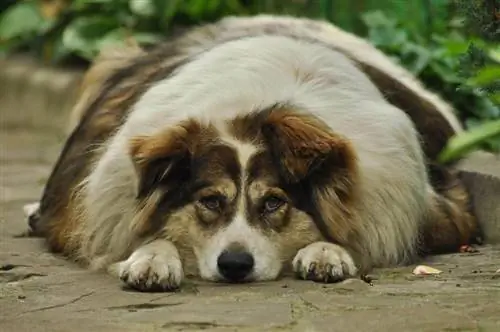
(311, 159)
(305, 144)
(300, 142)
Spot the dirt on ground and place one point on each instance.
(40, 291)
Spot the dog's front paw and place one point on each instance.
(154, 267)
(324, 262)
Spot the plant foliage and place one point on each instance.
(451, 45)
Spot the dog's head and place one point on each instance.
(244, 196)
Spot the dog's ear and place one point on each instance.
(164, 159)
(304, 147)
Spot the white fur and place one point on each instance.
(349, 44)
(30, 209)
(266, 255)
(334, 261)
(156, 264)
(248, 75)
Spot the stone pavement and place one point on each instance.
(40, 291)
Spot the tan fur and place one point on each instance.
(108, 61)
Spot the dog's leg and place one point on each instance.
(155, 266)
(324, 262)
(450, 223)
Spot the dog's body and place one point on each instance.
(249, 145)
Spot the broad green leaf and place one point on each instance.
(464, 142)
(84, 34)
(20, 20)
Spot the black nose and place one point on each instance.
(235, 265)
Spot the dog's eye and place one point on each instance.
(272, 204)
(212, 202)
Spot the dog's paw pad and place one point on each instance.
(151, 272)
(324, 262)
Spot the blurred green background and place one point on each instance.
(453, 46)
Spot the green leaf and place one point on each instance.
(195, 8)
(167, 9)
(377, 19)
(80, 4)
(486, 76)
(464, 142)
(147, 38)
(494, 54)
(20, 20)
(115, 37)
(495, 98)
(84, 35)
(144, 8)
(455, 47)
(445, 73)
(420, 57)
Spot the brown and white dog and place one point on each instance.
(249, 146)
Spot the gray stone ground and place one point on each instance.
(43, 292)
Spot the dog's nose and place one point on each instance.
(235, 265)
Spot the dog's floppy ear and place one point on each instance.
(303, 146)
(164, 158)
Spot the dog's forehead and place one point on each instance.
(244, 161)
(215, 161)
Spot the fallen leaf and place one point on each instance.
(425, 270)
(468, 249)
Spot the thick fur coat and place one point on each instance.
(250, 146)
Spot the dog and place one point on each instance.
(248, 148)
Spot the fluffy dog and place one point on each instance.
(246, 148)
